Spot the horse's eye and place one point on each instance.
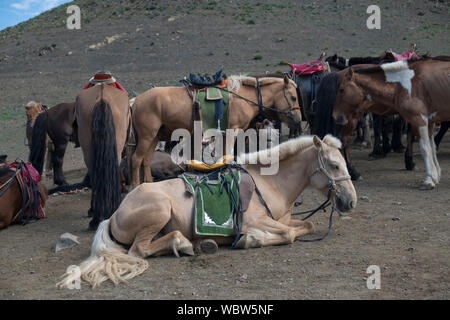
(336, 167)
(293, 98)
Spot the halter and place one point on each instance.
(331, 197)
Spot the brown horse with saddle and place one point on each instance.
(102, 117)
(22, 195)
(159, 111)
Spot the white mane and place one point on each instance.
(288, 148)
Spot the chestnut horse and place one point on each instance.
(418, 89)
(157, 218)
(102, 114)
(11, 199)
(159, 111)
(54, 124)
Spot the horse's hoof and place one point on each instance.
(209, 246)
(427, 186)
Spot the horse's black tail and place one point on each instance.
(326, 98)
(38, 146)
(105, 179)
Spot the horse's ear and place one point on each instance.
(317, 142)
(286, 81)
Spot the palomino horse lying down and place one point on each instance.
(157, 218)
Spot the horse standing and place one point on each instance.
(102, 116)
(418, 89)
(164, 209)
(159, 111)
(56, 124)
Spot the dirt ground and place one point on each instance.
(395, 226)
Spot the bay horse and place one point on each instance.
(55, 124)
(417, 89)
(157, 218)
(381, 123)
(13, 203)
(159, 111)
(102, 114)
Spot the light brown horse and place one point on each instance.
(102, 115)
(157, 218)
(159, 111)
(419, 90)
(11, 199)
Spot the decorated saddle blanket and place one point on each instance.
(218, 199)
(313, 67)
(28, 179)
(213, 103)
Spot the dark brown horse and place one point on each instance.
(55, 122)
(102, 114)
(12, 199)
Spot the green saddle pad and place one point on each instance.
(207, 100)
(215, 203)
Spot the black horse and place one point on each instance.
(57, 123)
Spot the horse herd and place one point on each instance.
(155, 218)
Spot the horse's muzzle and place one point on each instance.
(344, 204)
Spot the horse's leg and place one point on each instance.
(397, 127)
(386, 124)
(365, 130)
(409, 162)
(377, 151)
(48, 157)
(148, 160)
(269, 232)
(433, 149)
(174, 241)
(427, 154)
(351, 170)
(57, 160)
(444, 127)
(142, 150)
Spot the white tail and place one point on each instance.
(108, 260)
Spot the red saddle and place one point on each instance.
(405, 56)
(313, 67)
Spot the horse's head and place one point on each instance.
(331, 173)
(285, 100)
(350, 99)
(32, 109)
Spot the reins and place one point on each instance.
(260, 105)
(330, 198)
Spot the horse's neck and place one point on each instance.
(379, 91)
(284, 187)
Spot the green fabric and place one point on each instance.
(208, 108)
(214, 212)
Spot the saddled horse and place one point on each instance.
(159, 111)
(417, 89)
(55, 123)
(17, 206)
(157, 218)
(102, 116)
